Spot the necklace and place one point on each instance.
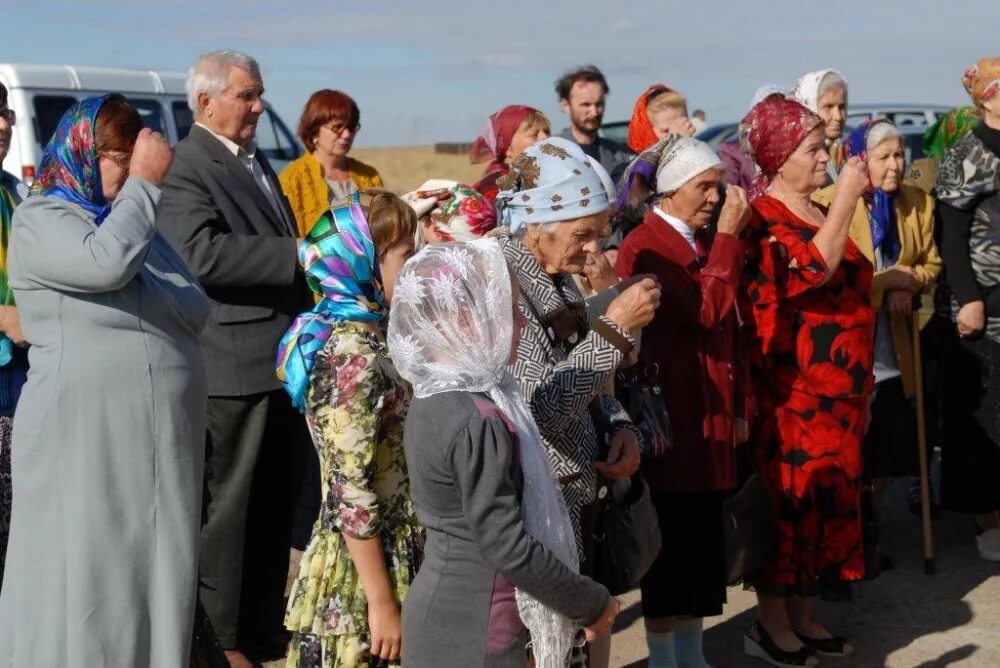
(811, 214)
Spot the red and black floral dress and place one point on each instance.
(812, 349)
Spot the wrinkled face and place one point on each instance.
(235, 111)
(832, 108)
(885, 164)
(391, 263)
(663, 119)
(519, 319)
(113, 167)
(335, 139)
(585, 106)
(805, 169)
(694, 201)
(563, 249)
(528, 134)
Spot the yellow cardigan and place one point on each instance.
(915, 222)
(309, 195)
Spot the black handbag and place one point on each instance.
(750, 529)
(639, 392)
(620, 528)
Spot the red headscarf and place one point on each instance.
(640, 130)
(493, 143)
(771, 132)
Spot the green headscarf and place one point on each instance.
(948, 129)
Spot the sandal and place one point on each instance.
(836, 646)
(759, 644)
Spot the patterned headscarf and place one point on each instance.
(457, 212)
(948, 129)
(641, 134)
(982, 80)
(552, 181)
(69, 166)
(882, 217)
(771, 132)
(666, 166)
(806, 89)
(493, 142)
(340, 263)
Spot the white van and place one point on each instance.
(40, 94)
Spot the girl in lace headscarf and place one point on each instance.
(480, 479)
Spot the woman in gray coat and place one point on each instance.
(109, 437)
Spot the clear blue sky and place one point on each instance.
(429, 70)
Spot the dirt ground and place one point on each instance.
(404, 168)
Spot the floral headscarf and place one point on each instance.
(69, 165)
(552, 181)
(982, 80)
(882, 215)
(340, 263)
(948, 129)
(771, 132)
(641, 134)
(458, 212)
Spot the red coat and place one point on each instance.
(694, 338)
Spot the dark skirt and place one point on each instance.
(970, 454)
(890, 446)
(6, 428)
(688, 577)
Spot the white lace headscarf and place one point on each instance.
(810, 87)
(450, 329)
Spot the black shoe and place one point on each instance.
(759, 644)
(836, 646)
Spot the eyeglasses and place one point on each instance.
(123, 160)
(338, 128)
(9, 116)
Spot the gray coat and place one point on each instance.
(245, 257)
(108, 443)
(614, 157)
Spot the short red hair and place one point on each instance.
(323, 107)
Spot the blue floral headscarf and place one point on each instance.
(882, 216)
(341, 266)
(69, 169)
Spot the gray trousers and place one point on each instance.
(247, 514)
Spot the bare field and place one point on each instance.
(404, 168)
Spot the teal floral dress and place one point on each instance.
(355, 408)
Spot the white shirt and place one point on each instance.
(683, 228)
(248, 156)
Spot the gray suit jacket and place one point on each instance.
(226, 230)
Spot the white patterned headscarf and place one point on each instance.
(550, 182)
(807, 89)
(682, 159)
(450, 329)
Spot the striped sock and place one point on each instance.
(661, 650)
(687, 644)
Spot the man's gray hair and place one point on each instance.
(210, 74)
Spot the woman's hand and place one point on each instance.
(852, 181)
(623, 457)
(603, 622)
(10, 324)
(635, 307)
(386, 628)
(899, 303)
(735, 212)
(682, 126)
(599, 272)
(901, 277)
(151, 157)
(971, 319)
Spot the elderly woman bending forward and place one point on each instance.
(553, 206)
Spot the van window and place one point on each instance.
(274, 139)
(151, 112)
(48, 110)
(183, 119)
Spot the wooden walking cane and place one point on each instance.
(925, 480)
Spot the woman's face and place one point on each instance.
(113, 167)
(528, 134)
(805, 169)
(832, 108)
(391, 263)
(427, 230)
(334, 139)
(885, 164)
(694, 201)
(564, 249)
(664, 119)
(519, 320)
(6, 132)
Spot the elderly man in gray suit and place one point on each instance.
(223, 210)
